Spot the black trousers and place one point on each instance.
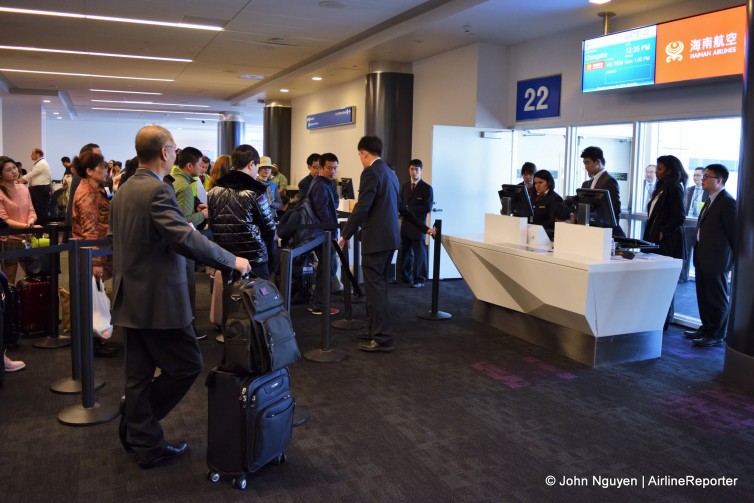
(413, 260)
(713, 298)
(319, 285)
(374, 267)
(40, 200)
(149, 400)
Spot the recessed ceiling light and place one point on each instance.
(59, 118)
(316, 78)
(153, 111)
(83, 75)
(124, 92)
(55, 113)
(150, 103)
(331, 4)
(251, 76)
(598, 2)
(87, 53)
(46, 101)
(284, 90)
(109, 18)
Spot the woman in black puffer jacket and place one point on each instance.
(240, 217)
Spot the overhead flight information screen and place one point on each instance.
(624, 59)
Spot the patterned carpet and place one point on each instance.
(459, 412)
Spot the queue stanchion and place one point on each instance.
(90, 412)
(357, 299)
(347, 323)
(54, 340)
(325, 354)
(72, 385)
(434, 313)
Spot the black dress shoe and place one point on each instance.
(707, 342)
(168, 452)
(693, 334)
(375, 347)
(101, 349)
(418, 284)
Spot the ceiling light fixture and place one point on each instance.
(598, 2)
(60, 118)
(251, 76)
(150, 103)
(46, 101)
(87, 53)
(109, 18)
(125, 92)
(55, 113)
(153, 111)
(284, 90)
(83, 75)
(316, 78)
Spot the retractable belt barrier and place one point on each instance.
(434, 314)
(89, 412)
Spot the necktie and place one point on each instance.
(539, 198)
(413, 186)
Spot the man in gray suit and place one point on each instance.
(150, 239)
(377, 213)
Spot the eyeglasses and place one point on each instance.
(170, 146)
(706, 177)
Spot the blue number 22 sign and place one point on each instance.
(538, 98)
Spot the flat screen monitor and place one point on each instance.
(519, 202)
(598, 206)
(625, 59)
(346, 188)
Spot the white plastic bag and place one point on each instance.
(100, 310)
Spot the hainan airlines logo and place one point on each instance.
(674, 50)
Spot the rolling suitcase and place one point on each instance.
(250, 423)
(36, 304)
(216, 304)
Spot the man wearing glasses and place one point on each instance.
(713, 258)
(150, 238)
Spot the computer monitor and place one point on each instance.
(346, 188)
(595, 208)
(515, 201)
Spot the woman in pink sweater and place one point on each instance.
(16, 210)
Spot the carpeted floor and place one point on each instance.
(459, 412)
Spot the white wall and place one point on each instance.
(22, 129)
(562, 54)
(340, 140)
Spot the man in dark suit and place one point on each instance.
(417, 196)
(599, 178)
(694, 198)
(376, 212)
(150, 239)
(713, 258)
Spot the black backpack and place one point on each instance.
(289, 228)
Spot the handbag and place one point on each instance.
(101, 323)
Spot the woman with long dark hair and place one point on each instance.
(546, 199)
(17, 211)
(666, 212)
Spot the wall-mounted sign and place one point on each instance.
(331, 118)
(538, 98)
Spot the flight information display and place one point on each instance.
(624, 59)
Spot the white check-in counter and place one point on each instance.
(595, 309)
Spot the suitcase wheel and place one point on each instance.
(280, 459)
(239, 483)
(213, 477)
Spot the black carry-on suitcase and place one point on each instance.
(258, 332)
(250, 423)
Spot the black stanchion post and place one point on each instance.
(357, 299)
(72, 385)
(347, 323)
(434, 314)
(53, 339)
(89, 412)
(325, 354)
(286, 271)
